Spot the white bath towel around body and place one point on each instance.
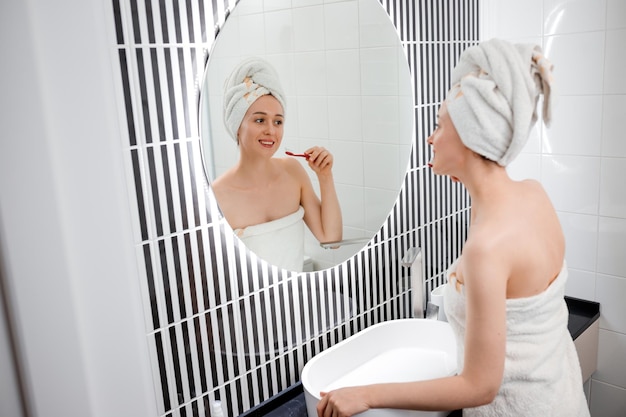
(279, 242)
(542, 375)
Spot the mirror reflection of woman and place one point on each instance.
(266, 199)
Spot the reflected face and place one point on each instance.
(447, 147)
(261, 130)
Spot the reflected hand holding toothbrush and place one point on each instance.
(302, 155)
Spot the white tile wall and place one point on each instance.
(609, 400)
(308, 28)
(345, 124)
(616, 10)
(343, 69)
(573, 16)
(612, 246)
(581, 231)
(380, 120)
(611, 293)
(577, 120)
(276, 25)
(583, 159)
(572, 182)
(573, 75)
(615, 62)
(610, 370)
(612, 175)
(514, 19)
(342, 26)
(372, 32)
(580, 283)
(613, 116)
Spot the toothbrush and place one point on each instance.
(302, 155)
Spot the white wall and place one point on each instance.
(581, 158)
(65, 227)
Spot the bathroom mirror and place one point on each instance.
(348, 88)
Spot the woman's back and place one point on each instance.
(538, 244)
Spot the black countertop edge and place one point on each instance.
(276, 401)
(293, 402)
(582, 314)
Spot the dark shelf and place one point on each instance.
(582, 314)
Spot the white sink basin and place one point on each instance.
(393, 351)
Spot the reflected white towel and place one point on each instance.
(279, 242)
(542, 375)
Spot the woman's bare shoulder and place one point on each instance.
(531, 182)
(293, 167)
(220, 181)
(533, 187)
(489, 241)
(224, 182)
(289, 162)
(485, 241)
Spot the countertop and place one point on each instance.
(582, 314)
(291, 402)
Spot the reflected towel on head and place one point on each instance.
(494, 94)
(251, 79)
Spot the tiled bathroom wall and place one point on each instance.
(581, 159)
(220, 323)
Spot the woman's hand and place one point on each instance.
(320, 160)
(343, 402)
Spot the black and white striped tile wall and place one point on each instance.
(221, 324)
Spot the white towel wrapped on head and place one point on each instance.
(494, 94)
(252, 78)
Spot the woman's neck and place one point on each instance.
(487, 183)
(256, 171)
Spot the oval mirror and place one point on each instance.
(348, 88)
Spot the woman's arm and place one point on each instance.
(485, 285)
(322, 215)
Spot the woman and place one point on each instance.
(266, 200)
(504, 297)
